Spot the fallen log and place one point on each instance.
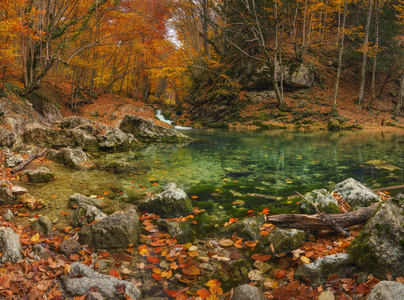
(335, 222)
(390, 188)
(29, 160)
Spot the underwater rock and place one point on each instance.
(170, 203)
(77, 198)
(118, 166)
(323, 200)
(380, 246)
(356, 194)
(69, 247)
(285, 240)
(247, 229)
(6, 194)
(147, 131)
(317, 272)
(106, 285)
(379, 167)
(115, 231)
(181, 230)
(86, 214)
(28, 200)
(10, 245)
(73, 158)
(42, 224)
(387, 290)
(248, 292)
(41, 174)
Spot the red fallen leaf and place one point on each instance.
(81, 297)
(192, 270)
(153, 260)
(203, 293)
(216, 290)
(281, 293)
(234, 255)
(363, 288)
(64, 213)
(172, 293)
(114, 273)
(261, 257)
(213, 282)
(156, 276)
(372, 282)
(250, 211)
(103, 255)
(280, 274)
(265, 211)
(121, 257)
(74, 257)
(293, 285)
(121, 288)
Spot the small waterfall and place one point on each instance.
(161, 118)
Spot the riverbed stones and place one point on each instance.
(86, 214)
(69, 247)
(322, 200)
(387, 290)
(29, 200)
(379, 167)
(356, 194)
(317, 272)
(247, 229)
(170, 203)
(82, 278)
(113, 232)
(41, 174)
(380, 246)
(10, 245)
(145, 130)
(72, 158)
(42, 224)
(78, 198)
(6, 194)
(285, 240)
(248, 292)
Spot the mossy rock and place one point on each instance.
(41, 174)
(248, 229)
(322, 200)
(285, 240)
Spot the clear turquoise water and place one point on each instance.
(223, 168)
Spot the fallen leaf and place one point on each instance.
(213, 282)
(35, 238)
(156, 276)
(114, 273)
(203, 293)
(225, 242)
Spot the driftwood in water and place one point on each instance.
(390, 188)
(335, 222)
(28, 160)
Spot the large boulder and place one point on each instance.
(86, 214)
(322, 200)
(356, 194)
(47, 110)
(77, 199)
(171, 203)
(10, 246)
(387, 290)
(82, 278)
(285, 240)
(317, 272)
(41, 174)
(73, 158)
(115, 231)
(380, 246)
(147, 131)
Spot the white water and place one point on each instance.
(161, 118)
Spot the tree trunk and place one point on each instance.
(341, 48)
(375, 56)
(365, 56)
(400, 97)
(337, 222)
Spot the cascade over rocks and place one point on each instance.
(10, 245)
(115, 231)
(170, 203)
(147, 131)
(73, 158)
(356, 194)
(106, 285)
(380, 246)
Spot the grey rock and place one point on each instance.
(118, 166)
(8, 215)
(28, 200)
(285, 240)
(77, 198)
(42, 224)
(46, 109)
(115, 231)
(147, 131)
(18, 190)
(114, 138)
(317, 272)
(387, 290)
(86, 214)
(73, 158)
(69, 247)
(247, 229)
(10, 245)
(170, 203)
(106, 285)
(12, 160)
(41, 174)
(6, 194)
(248, 292)
(356, 194)
(182, 230)
(41, 251)
(7, 137)
(326, 295)
(321, 199)
(379, 247)
(25, 149)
